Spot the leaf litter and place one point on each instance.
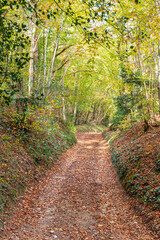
(80, 198)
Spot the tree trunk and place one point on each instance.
(63, 101)
(159, 74)
(35, 59)
(157, 3)
(45, 61)
(75, 113)
(31, 65)
(54, 56)
(87, 116)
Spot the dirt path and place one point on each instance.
(81, 198)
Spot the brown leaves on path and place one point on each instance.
(81, 198)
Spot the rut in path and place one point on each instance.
(81, 198)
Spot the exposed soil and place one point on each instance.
(81, 198)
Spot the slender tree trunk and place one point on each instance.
(155, 58)
(63, 101)
(100, 109)
(31, 65)
(75, 113)
(105, 114)
(159, 74)
(54, 56)
(45, 61)
(75, 103)
(94, 112)
(142, 72)
(35, 59)
(87, 116)
(157, 3)
(154, 74)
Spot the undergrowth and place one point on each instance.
(136, 157)
(91, 127)
(27, 150)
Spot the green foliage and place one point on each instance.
(110, 136)
(121, 167)
(158, 164)
(130, 77)
(91, 127)
(123, 106)
(90, 65)
(49, 138)
(28, 150)
(137, 172)
(13, 42)
(69, 125)
(130, 105)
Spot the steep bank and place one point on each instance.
(136, 157)
(27, 151)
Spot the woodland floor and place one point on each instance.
(81, 198)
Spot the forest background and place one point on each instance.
(83, 61)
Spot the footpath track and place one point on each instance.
(81, 198)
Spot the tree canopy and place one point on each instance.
(88, 60)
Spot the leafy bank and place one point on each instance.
(27, 151)
(136, 157)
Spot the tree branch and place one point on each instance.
(64, 63)
(63, 50)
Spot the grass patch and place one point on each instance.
(91, 127)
